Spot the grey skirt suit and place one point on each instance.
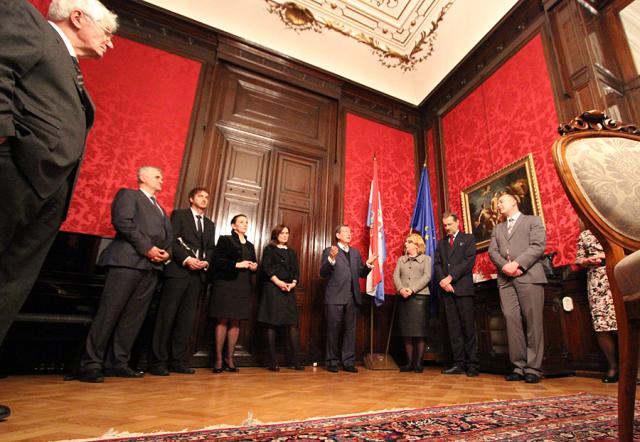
(413, 312)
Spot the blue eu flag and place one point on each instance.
(423, 223)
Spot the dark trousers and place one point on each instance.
(28, 226)
(462, 329)
(341, 320)
(174, 322)
(123, 307)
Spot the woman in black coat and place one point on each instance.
(278, 302)
(234, 259)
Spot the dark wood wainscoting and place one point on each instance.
(267, 154)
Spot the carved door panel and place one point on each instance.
(266, 155)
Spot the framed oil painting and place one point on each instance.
(480, 200)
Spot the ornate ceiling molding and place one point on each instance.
(401, 33)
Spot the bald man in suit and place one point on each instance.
(516, 249)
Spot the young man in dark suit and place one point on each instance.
(135, 260)
(184, 281)
(342, 266)
(454, 260)
(45, 115)
(516, 249)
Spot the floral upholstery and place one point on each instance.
(607, 170)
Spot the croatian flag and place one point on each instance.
(375, 279)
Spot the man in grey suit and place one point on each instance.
(516, 249)
(343, 267)
(135, 261)
(45, 115)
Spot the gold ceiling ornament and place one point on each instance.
(400, 44)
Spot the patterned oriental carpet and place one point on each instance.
(580, 417)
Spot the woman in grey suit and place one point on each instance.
(411, 280)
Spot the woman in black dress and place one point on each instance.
(234, 259)
(278, 302)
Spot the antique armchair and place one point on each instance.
(598, 162)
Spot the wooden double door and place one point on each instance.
(269, 153)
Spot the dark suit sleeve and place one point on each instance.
(177, 223)
(325, 266)
(438, 268)
(211, 244)
(21, 48)
(537, 243)
(364, 268)
(123, 211)
(465, 266)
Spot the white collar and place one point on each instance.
(147, 194)
(195, 214)
(65, 39)
(343, 247)
(514, 217)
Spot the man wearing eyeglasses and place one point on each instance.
(45, 115)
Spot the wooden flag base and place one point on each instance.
(379, 361)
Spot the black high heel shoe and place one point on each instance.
(229, 368)
(218, 369)
(406, 368)
(273, 368)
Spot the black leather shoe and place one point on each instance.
(182, 369)
(5, 412)
(159, 371)
(333, 368)
(456, 369)
(419, 368)
(514, 377)
(610, 379)
(531, 378)
(232, 369)
(472, 372)
(273, 368)
(350, 368)
(93, 376)
(126, 372)
(217, 370)
(297, 367)
(406, 368)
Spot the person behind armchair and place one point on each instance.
(411, 280)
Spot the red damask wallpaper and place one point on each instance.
(394, 151)
(144, 98)
(510, 114)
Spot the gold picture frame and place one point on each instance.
(479, 201)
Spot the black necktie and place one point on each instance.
(79, 76)
(155, 203)
(199, 224)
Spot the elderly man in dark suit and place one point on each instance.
(454, 260)
(45, 114)
(134, 260)
(184, 281)
(343, 267)
(517, 246)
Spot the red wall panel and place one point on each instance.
(144, 98)
(509, 115)
(394, 151)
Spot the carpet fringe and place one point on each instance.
(252, 421)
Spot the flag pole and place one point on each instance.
(377, 361)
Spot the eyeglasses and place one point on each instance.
(107, 33)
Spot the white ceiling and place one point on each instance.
(392, 25)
